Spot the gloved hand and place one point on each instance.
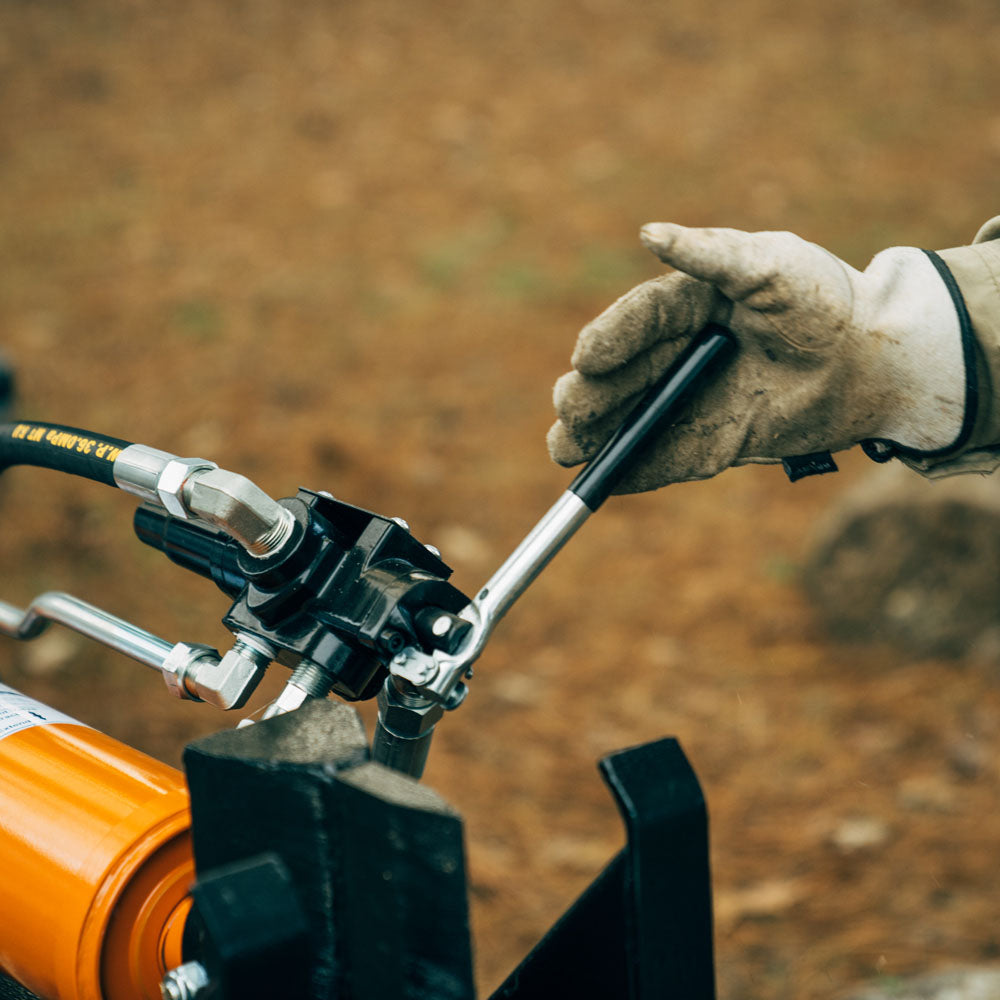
(828, 356)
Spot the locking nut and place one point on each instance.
(405, 715)
(157, 476)
(180, 665)
(170, 484)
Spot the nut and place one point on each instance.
(170, 483)
(181, 663)
(185, 982)
(405, 717)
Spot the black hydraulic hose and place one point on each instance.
(66, 449)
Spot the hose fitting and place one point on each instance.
(196, 488)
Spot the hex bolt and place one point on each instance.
(185, 982)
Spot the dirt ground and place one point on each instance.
(348, 246)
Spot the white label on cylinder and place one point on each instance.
(18, 711)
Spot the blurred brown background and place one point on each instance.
(348, 246)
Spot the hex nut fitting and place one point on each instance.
(408, 718)
(181, 663)
(170, 483)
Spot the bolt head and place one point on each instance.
(185, 982)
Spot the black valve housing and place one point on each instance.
(346, 593)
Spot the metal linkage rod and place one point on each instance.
(190, 670)
(64, 609)
(421, 681)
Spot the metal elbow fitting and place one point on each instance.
(196, 672)
(195, 487)
(241, 508)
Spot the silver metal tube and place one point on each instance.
(518, 572)
(84, 618)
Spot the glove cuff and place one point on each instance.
(883, 449)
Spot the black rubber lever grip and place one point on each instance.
(659, 408)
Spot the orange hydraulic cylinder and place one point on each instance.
(95, 859)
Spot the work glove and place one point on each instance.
(828, 356)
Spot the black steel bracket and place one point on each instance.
(643, 929)
(375, 862)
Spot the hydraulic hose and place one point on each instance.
(65, 449)
(184, 487)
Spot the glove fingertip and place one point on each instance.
(659, 237)
(609, 341)
(563, 449)
(598, 356)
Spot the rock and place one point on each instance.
(49, 653)
(859, 833)
(926, 793)
(967, 759)
(911, 561)
(957, 984)
(759, 901)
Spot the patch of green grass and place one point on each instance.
(609, 269)
(520, 280)
(452, 258)
(200, 319)
(780, 568)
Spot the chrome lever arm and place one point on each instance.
(438, 675)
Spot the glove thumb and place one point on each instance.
(735, 262)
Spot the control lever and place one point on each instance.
(422, 685)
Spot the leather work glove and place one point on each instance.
(828, 356)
